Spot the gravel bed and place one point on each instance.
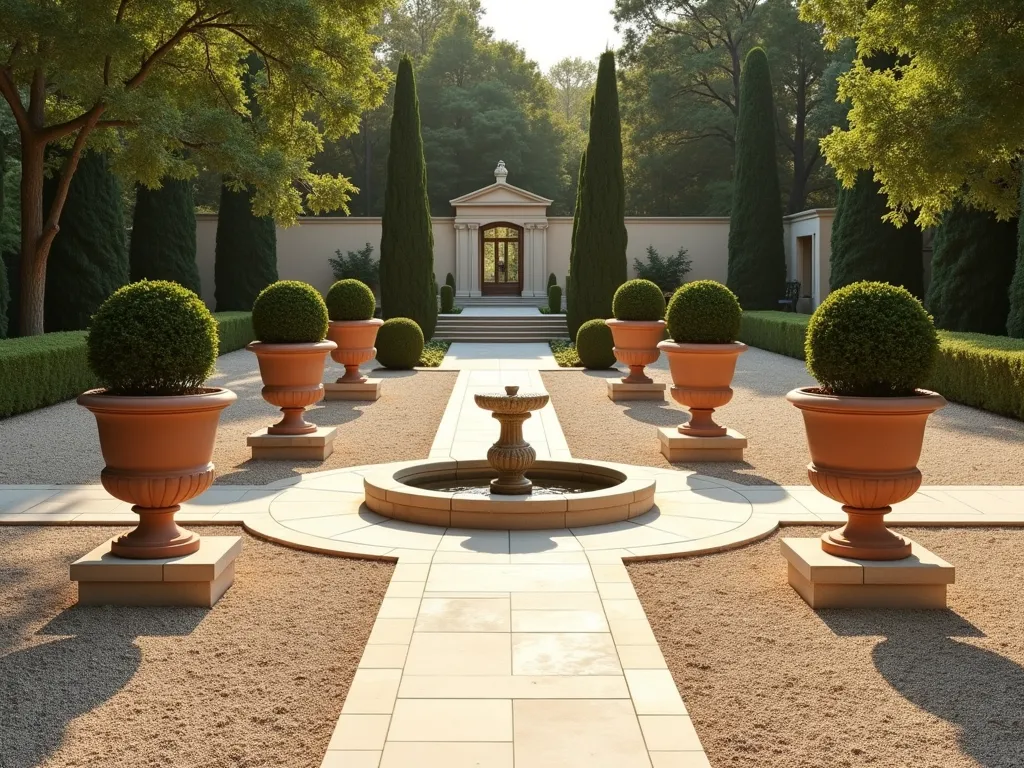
(259, 680)
(963, 446)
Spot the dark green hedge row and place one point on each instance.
(37, 371)
(982, 371)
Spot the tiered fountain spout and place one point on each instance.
(511, 456)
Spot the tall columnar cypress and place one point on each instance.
(163, 244)
(1015, 319)
(600, 241)
(864, 247)
(5, 294)
(89, 257)
(572, 318)
(245, 260)
(757, 256)
(973, 259)
(407, 237)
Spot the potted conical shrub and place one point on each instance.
(703, 322)
(289, 319)
(638, 327)
(352, 326)
(152, 345)
(870, 346)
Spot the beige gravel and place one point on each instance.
(58, 445)
(963, 446)
(257, 681)
(771, 683)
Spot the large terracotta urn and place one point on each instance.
(355, 340)
(292, 380)
(701, 378)
(158, 454)
(636, 345)
(864, 454)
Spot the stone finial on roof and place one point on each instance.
(501, 172)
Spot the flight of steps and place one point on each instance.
(500, 329)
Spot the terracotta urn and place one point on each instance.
(701, 378)
(158, 454)
(355, 340)
(292, 380)
(864, 454)
(636, 345)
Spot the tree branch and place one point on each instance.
(50, 228)
(11, 95)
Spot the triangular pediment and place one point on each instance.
(501, 194)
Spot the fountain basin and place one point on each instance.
(567, 494)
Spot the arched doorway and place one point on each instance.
(501, 257)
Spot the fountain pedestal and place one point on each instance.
(511, 456)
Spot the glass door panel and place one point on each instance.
(489, 263)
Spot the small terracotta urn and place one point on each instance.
(864, 454)
(355, 340)
(292, 380)
(158, 453)
(702, 375)
(636, 345)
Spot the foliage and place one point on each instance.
(245, 260)
(399, 343)
(554, 300)
(638, 300)
(289, 312)
(350, 299)
(866, 247)
(447, 299)
(871, 340)
(703, 312)
(1015, 318)
(564, 352)
(356, 265)
(433, 354)
(779, 332)
(407, 237)
(10, 238)
(449, 280)
(973, 258)
(235, 330)
(552, 280)
(572, 317)
(153, 338)
(5, 295)
(163, 242)
(757, 257)
(667, 272)
(594, 345)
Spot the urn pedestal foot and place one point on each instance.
(156, 536)
(865, 537)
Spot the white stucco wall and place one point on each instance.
(815, 224)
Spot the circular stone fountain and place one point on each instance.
(511, 489)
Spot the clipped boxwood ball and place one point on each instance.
(555, 299)
(871, 340)
(594, 345)
(153, 338)
(350, 299)
(638, 300)
(399, 343)
(447, 299)
(289, 312)
(703, 312)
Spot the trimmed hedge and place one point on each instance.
(36, 371)
(399, 343)
(594, 345)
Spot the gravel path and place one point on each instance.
(771, 683)
(963, 446)
(58, 445)
(258, 681)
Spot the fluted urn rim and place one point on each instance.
(503, 403)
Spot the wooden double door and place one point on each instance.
(501, 257)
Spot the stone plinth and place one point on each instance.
(620, 390)
(316, 446)
(366, 390)
(827, 581)
(675, 446)
(199, 579)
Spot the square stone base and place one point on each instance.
(618, 391)
(675, 446)
(316, 446)
(368, 390)
(827, 581)
(199, 579)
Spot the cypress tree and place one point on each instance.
(89, 257)
(163, 244)
(864, 247)
(600, 241)
(407, 237)
(5, 295)
(757, 256)
(973, 258)
(1015, 319)
(571, 317)
(10, 241)
(245, 260)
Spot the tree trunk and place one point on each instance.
(34, 249)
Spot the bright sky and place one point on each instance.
(551, 30)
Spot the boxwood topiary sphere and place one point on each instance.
(399, 343)
(447, 299)
(871, 340)
(350, 299)
(289, 312)
(638, 300)
(703, 312)
(594, 345)
(153, 338)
